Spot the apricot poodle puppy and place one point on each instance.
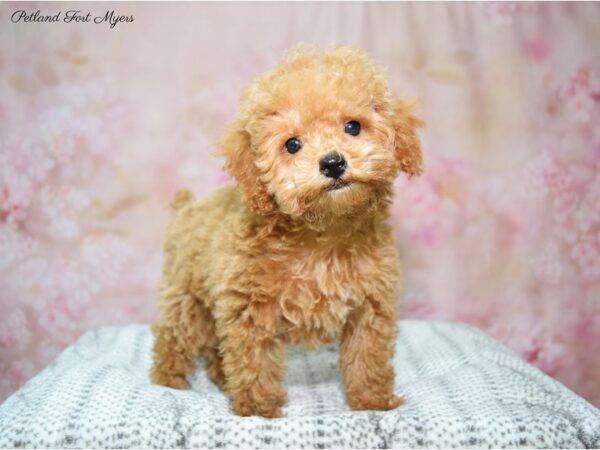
(300, 252)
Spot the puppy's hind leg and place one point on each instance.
(180, 334)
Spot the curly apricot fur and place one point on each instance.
(284, 259)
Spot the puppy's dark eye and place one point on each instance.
(292, 145)
(352, 128)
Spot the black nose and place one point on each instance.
(332, 165)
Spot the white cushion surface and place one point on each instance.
(460, 387)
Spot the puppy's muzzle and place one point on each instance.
(332, 165)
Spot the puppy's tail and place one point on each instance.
(182, 198)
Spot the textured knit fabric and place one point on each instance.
(460, 389)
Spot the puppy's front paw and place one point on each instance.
(268, 411)
(245, 408)
(253, 404)
(374, 402)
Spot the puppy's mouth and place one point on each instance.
(337, 185)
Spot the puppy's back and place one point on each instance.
(197, 227)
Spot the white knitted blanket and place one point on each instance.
(460, 387)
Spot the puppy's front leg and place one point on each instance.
(365, 357)
(253, 363)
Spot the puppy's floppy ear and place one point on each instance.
(239, 162)
(407, 144)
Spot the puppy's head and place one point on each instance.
(320, 137)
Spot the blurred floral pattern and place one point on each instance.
(99, 127)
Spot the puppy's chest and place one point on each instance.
(318, 292)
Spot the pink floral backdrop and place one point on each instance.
(99, 126)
